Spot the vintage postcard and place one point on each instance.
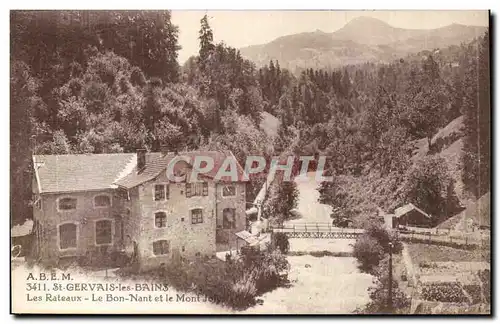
(250, 162)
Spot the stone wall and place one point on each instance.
(84, 217)
(185, 239)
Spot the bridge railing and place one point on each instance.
(313, 227)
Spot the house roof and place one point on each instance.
(159, 164)
(80, 172)
(83, 172)
(408, 208)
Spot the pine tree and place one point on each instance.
(476, 111)
(346, 83)
(277, 81)
(152, 111)
(484, 115)
(206, 38)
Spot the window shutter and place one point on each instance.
(205, 188)
(167, 191)
(188, 190)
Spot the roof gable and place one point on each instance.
(159, 164)
(80, 172)
(408, 208)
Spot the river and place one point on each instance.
(319, 285)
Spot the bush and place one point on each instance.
(474, 292)
(430, 184)
(266, 267)
(221, 282)
(281, 242)
(137, 77)
(383, 237)
(379, 298)
(234, 284)
(368, 252)
(243, 292)
(450, 292)
(404, 274)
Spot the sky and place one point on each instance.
(243, 28)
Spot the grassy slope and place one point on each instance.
(478, 211)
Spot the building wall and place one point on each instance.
(84, 216)
(134, 221)
(186, 239)
(238, 203)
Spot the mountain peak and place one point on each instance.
(367, 23)
(372, 31)
(366, 20)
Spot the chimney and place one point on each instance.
(141, 159)
(165, 151)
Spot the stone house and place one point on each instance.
(93, 205)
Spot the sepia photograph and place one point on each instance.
(321, 162)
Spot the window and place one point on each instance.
(160, 219)
(122, 194)
(229, 218)
(228, 191)
(67, 203)
(197, 189)
(196, 216)
(161, 192)
(161, 247)
(102, 201)
(67, 236)
(103, 232)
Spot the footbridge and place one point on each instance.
(317, 230)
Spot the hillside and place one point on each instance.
(477, 213)
(361, 40)
(371, 31)
(364, 194)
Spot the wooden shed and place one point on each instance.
(411, 215)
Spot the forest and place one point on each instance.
(109, 82)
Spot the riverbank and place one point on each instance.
(318, 285)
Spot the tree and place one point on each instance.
(383, 237)
(346, 83)
(23, 96)
(283, 197)
(427, 185)
(206, 37)
(152, 110)
(477, 118)
(368, 252)
(280, 240)
(147, 38)
(379, 294)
